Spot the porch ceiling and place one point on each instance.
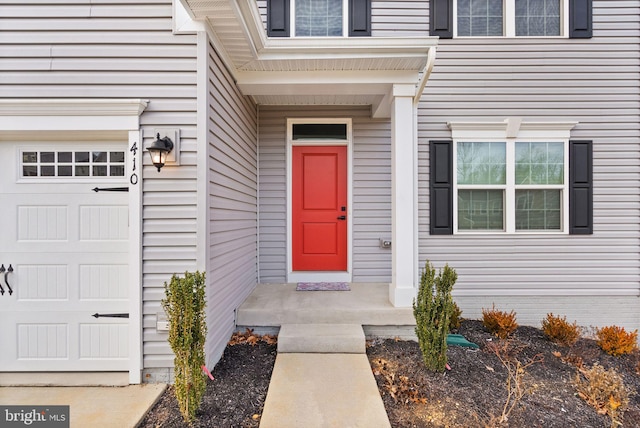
(311, 71)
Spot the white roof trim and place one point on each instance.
(20, 115)
(319, 66)
(326, 47)
(72, 107)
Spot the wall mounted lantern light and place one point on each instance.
(159, 151)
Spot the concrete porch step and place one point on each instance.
(321, 338)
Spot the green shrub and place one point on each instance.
(432, 310)
(499, 323)
(559, 331)
(184, 304)
(456, 317)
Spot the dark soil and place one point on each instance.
(471, 394)
(234, 398)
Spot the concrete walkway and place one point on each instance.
(322, 379)
(96, 407)
(323, 391)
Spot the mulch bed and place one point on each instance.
(471, 394)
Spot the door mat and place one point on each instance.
(323, 286)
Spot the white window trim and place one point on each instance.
(509, 22)
(300, 276)
(510, 131)
(292, 21)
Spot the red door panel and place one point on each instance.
(319, 199)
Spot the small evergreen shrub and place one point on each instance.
(604, 390)
(559, 331)
(456, 317)
(499, 323)
(616, 341)
(184, 304)
(432, 310)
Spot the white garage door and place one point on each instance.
(64, 252)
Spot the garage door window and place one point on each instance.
(82, 163)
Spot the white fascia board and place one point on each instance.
(362, 78)
(303, 89)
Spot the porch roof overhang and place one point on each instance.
(312, 71)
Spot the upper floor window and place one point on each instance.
(318, 18)
(510, 18)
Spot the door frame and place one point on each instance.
(319, 276)
(89, 119)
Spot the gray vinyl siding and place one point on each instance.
(102, 49)
(390, 18)
(232, 201)
(393, 18)
(591, 81)
(371, 191)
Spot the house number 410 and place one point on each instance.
(133, 178)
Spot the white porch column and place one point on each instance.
(402, 289)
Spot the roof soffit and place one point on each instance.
(270, 62)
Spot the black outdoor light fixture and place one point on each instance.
(159, 151)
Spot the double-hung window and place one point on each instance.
(510, 177)
(510, 18)
(511, 186)
(318, 18)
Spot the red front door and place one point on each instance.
(319, 208)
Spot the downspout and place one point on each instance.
(258, 193)
(422, 82)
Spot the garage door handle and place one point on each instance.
(6, 281)
(110, 189)
(342, 217)
(97, 315)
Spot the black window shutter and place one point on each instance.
(441, 18)
(580, 187)
(359, 18)
(580, 19)
(441, 187)
(278, 18)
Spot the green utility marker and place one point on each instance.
(459, 340)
